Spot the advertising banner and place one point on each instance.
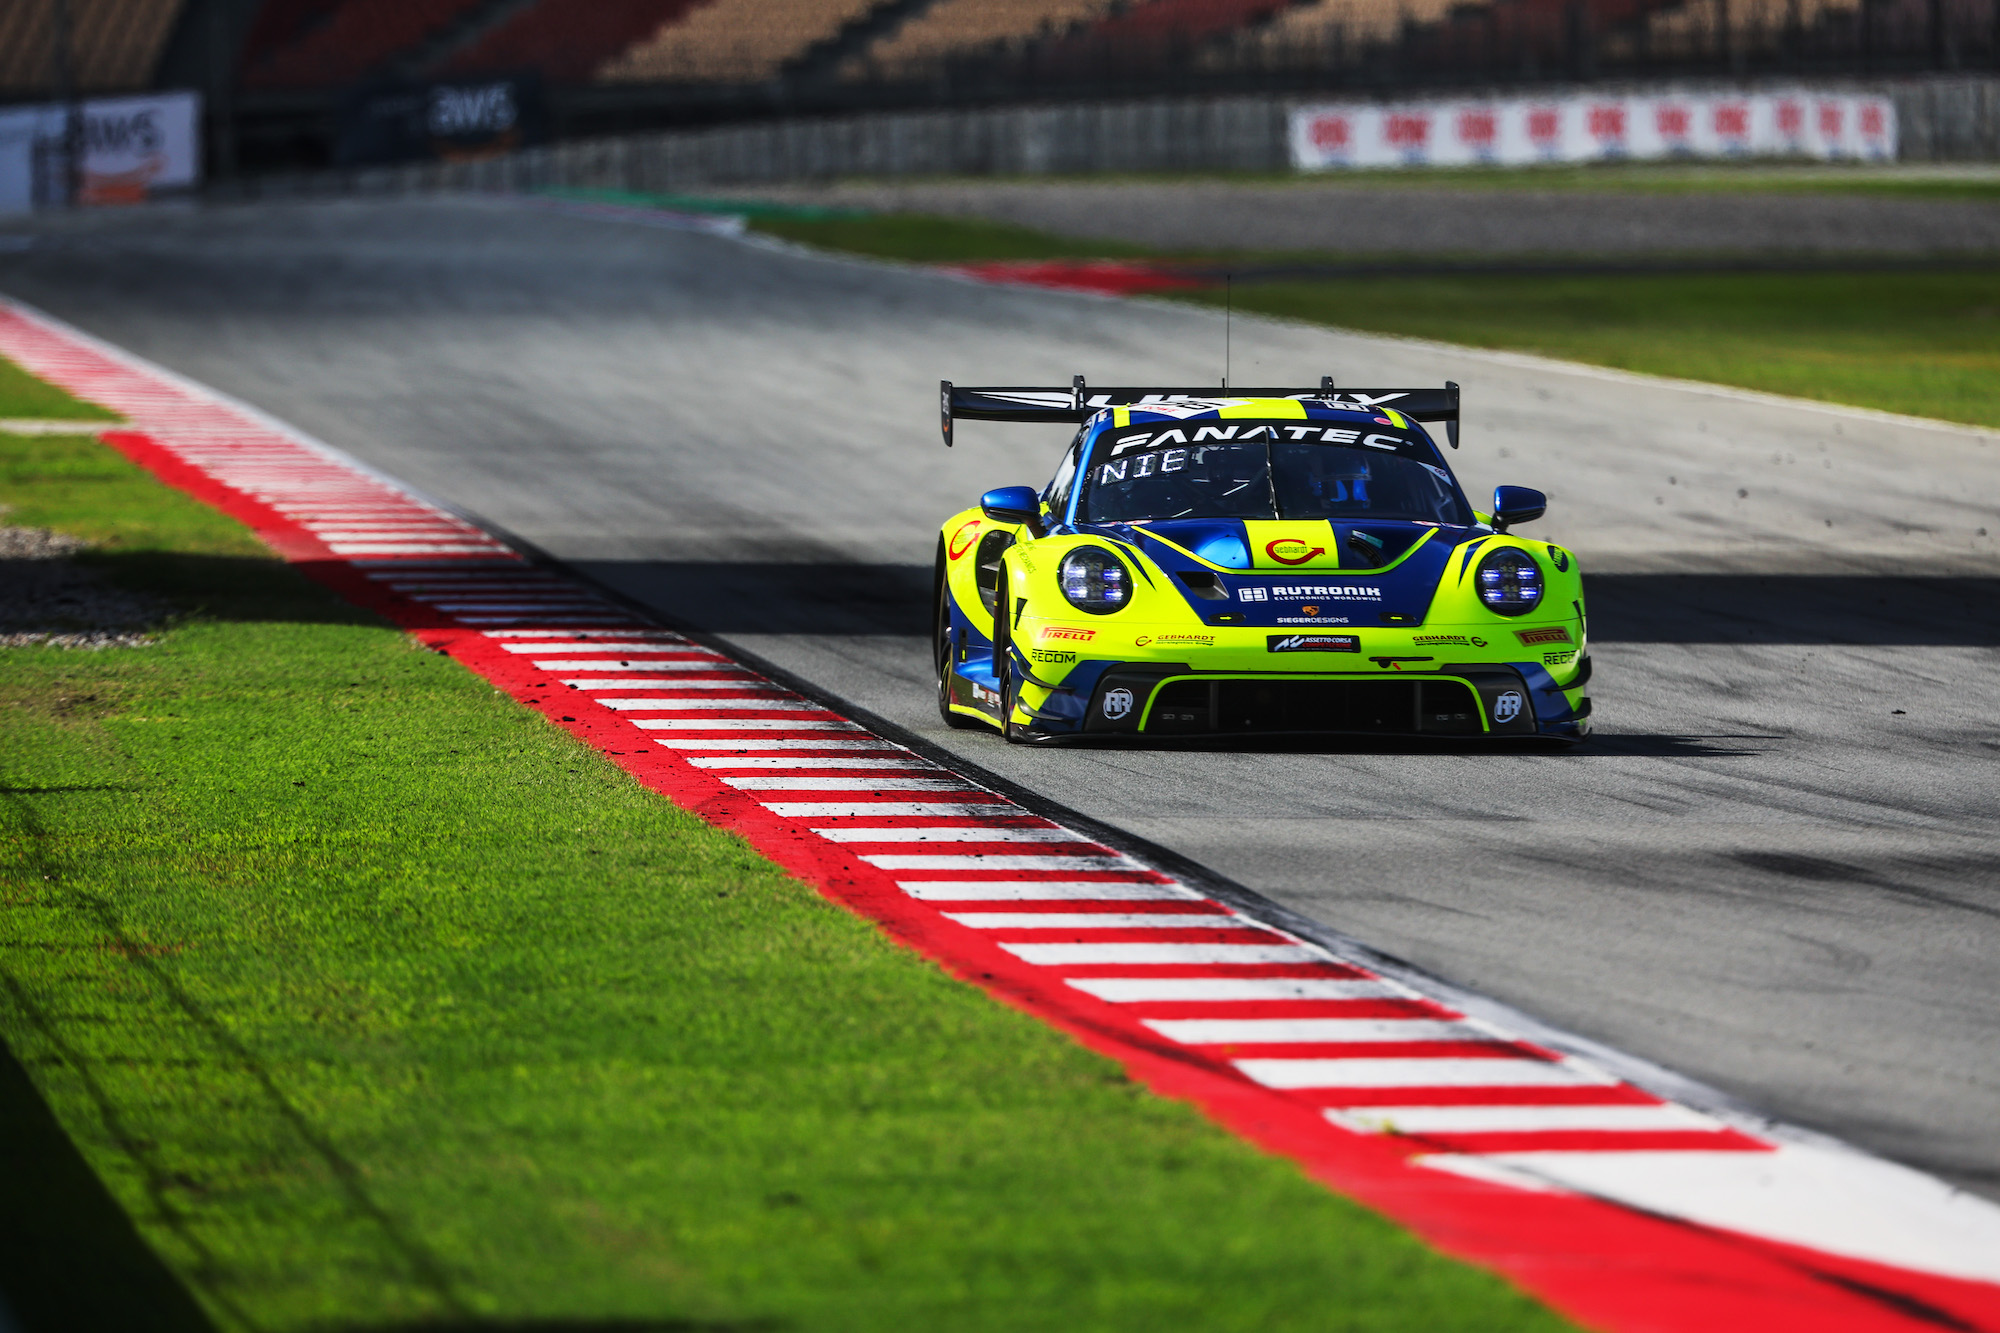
(1571, 128)
(444, 121)
(133, 147)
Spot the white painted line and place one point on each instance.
(1438, 1072)
(1150, 990)
(560, 609)
(941, 834)
(975, 861)
(1520, 1119)
(743, 724)
(1126, 955)
(1245, 1031)
(1823, 1197)
(1041, 890)
(665, 682)
(642, 639)
(851, 784)
(683, 705)
(890, 809)
(767, 743)
(1101, 921)
(399, 547)
(539, 619)
(903, 760)
(692, 660)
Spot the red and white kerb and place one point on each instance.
(1623, 1208)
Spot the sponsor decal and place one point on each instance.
(1547, 634)
(1313, 643)
(1308, 620)
(1064, 634)
(962, 540)
(1507, 706)
(1051, 656)
(1559, 659)
(1559, 558)
(1440, 640)
(1117, 703)
(1291, 551)
(1310, 610)
(984, 695)
(1333, 592)
(1253, 594)
(1176, 641)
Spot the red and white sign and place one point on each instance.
(1523, 131)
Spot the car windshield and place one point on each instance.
(1275, 469)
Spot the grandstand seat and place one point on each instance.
(958, 28)
(734, 41)
(356, 39)
(117, 44)
(567, 41)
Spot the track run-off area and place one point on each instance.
(1771, 872)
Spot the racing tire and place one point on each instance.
(941, 652)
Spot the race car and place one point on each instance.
(1258, 561)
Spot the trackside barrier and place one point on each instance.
(1933, 120)
(1827, 126)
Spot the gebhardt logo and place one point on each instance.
(961, 541)
(1291, 551)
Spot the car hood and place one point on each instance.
(1301, 573)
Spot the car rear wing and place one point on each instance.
(1079, 402)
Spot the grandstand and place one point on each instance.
(116, 44)
(565, 42)
(966, 29)
(735, 41)
(354, 40)
(301, 70)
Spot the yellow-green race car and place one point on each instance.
(1265, 561)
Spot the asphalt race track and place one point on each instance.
(1774, 869)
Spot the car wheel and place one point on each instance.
(941, 654)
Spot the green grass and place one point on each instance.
(1925, 343)
(1969, 182)
(934, 240)
(24, 396)
(374, 1001)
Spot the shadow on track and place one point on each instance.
(1889, 610)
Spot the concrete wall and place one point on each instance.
(1941, 119)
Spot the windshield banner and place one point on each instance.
(1524, 131)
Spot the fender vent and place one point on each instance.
(1204, 585)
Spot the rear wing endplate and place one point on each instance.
(1079, 402)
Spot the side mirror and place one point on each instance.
(1013, 504)
(1513, 504)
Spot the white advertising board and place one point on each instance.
(132, 147)
(1524, 131)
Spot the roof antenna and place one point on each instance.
(1326, 386)
(1228, 313)
(1076, 393)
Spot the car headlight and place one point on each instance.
(1095, 580)
(1510, 582)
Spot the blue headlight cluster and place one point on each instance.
(1094, 580)
(1510, 582)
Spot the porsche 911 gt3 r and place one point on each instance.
(1265, 561)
